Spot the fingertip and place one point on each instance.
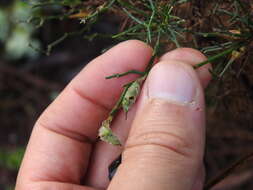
(140, 43)
(191, 57)
(136, 44)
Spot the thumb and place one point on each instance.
(164, 149)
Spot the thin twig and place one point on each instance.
(223, 174)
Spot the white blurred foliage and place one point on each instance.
(4, 26)
(16, 32)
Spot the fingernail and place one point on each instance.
(172, 82)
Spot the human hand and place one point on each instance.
(164, 148)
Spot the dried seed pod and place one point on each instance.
(105, 133)
(238, 53)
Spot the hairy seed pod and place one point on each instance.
(131, 95)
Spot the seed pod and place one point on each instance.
(131, 95)
(105, 133)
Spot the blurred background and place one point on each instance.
(29, 79)
(32, 74)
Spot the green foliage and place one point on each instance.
(11, 159)
(147, 20)
(15, 33)
(71, 2)
(4, 26)
(160, 20)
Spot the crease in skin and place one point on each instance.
(68, 133)
(168, 147)
(156, 138)
(90, 99)
(168, 140)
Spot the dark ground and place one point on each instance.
(28, 86)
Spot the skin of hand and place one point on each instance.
(163, 137)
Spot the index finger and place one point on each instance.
(60, 144)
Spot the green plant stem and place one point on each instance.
(150, 21)
(215, 57)
(155, 52)
(133, 8)
(133, 17)
(50, 46)
(149, 66)
(62, 38)
(117, 106)
(126, 32)
(39, 5)
(126, 73)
